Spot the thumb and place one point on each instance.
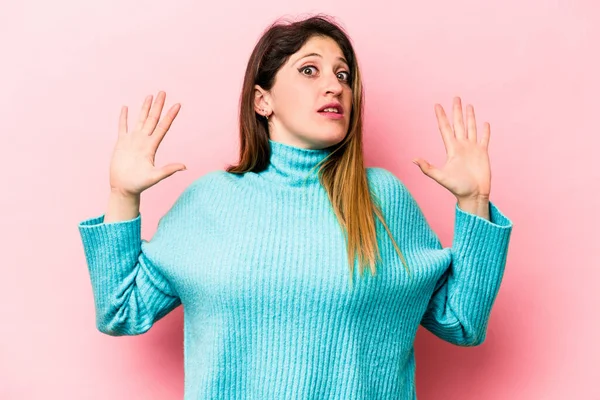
(428, 169)
(169, 170)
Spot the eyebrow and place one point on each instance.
(342, 59)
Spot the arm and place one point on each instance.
(130, 293)
(459, 309)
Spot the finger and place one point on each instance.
(123, 121)
(155, 112)
(445, 128)
(471, 124)
(143, 113)
(459, 127)
(485, 138)
(165, 123)
(168, 170)
(428, 169)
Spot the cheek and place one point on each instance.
(348, 102)
(296, 102)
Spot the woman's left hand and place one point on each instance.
(467, 171)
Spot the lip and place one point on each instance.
(333, 105)
(331, 115)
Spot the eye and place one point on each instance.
(344, 76)
(307, 68)
(347, 78)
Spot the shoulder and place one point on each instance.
(207, 179)
(399, 205)
(385, 185)
(198, 190)
(378, 176)
(392, 194)
(194, 198)
(210, 181)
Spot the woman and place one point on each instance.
(262, 255)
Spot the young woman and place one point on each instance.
(263, 255)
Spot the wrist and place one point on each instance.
(478, 205)
(122, 194)
(122, 206)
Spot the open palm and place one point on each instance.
(467, 172)
(132, 166)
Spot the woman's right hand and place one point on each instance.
(132, 167)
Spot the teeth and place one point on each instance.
(335, 110)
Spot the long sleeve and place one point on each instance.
(130, 292)
(459, 309)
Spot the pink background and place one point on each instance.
(530, 68)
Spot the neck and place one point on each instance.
(293, 166)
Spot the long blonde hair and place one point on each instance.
(342, 172)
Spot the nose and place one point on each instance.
(332, 84)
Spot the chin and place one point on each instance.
(323, 139)
(330, 139)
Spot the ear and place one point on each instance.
(262, 101)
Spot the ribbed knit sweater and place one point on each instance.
(259, 263)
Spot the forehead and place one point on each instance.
(324, 46)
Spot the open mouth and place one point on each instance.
(332, 111)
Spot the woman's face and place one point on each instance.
(314, 77)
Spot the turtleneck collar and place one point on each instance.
(293, 166)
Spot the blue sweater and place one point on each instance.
(259, 263)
